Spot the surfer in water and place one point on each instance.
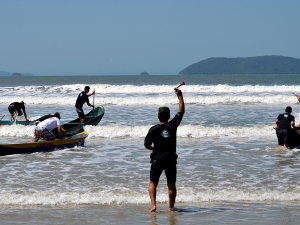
(161, 139)
(15, 109)
(283, 125)
(82, 98)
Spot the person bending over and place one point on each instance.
(45, 128)
(15, 109)
(161, 139)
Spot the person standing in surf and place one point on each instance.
(283, 125)
(82, 98)
(161, 139)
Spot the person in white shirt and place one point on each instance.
(45, 128)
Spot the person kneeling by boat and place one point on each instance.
(15, 109)
(283, 125)
(45, 129)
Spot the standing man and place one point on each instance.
(161, 139)
(15, 109)
(283, 125)
(45, 128)
(82, 98)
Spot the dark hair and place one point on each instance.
(163, 118)
(164, 114)
(86, 88)
(288, 109)
(57, 115)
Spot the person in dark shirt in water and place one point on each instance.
(283, 126)
(82, 98)
(15, 109)
(161, 139)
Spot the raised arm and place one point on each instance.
(91, 93)
(298, 97)
(181, 102)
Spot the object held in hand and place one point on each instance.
(182, 83)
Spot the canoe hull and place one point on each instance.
(75, 127)
(76, 140)
(31, 121)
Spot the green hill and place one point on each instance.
(250, 65)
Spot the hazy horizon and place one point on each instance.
(72, 37)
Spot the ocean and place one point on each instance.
(229, 168)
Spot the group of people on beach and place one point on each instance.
(47, 123)
(160, 139)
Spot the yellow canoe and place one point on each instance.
(75, 140)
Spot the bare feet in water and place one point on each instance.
(153, 209)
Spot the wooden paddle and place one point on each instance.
(2, 118)
(93, 107)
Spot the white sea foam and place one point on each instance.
(111, 131)
(135, 197)
(183, 131)
(108, 88)
(198, 100)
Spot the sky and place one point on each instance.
(127, 37)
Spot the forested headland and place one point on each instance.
(249, 65)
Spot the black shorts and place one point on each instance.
(282, 136)
(80, 113)
(13, 111)
(168, 166)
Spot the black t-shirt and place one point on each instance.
(81, 99)
(17, 106)
(163, 138)
(285, 121)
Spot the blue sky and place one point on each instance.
(127, 37)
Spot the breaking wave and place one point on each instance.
(108, 88)
(197, 100)
(141, 197)
(192, 131)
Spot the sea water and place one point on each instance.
(229, 168)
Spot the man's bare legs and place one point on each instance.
(152, 193)
(172, 195)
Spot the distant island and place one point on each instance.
(17, 75)
(4, 73)
(249, 65)
(144, 73)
